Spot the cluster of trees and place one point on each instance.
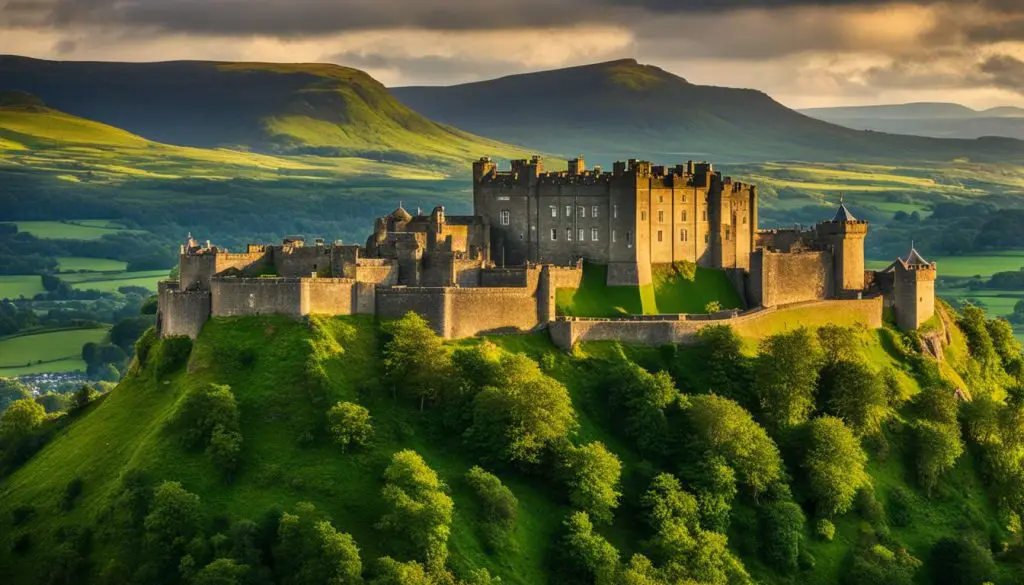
(27, 422)
(208, 419)
(951, 229)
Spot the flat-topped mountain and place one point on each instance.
(279, 108)
(623, 106)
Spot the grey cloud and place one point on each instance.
(1004, 71)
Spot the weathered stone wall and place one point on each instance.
(475, 311)
(503, 277)
(256, 296)
(328, 296)
(429, 302)
(914, 297)
(376, 271)
(787, 278)
(682, 329)
(466, 273)
(299, 261)
(181, 312)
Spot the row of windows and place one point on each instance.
(684, 235)
(582, 212)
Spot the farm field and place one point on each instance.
(969, 265)
(20, 285)
(110, 282)
(51, 351)
(78, 264)
(93, 229)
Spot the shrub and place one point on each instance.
(349, 424)
(825, 530)
(834, 462)
(170, 354)
(642, 397)
(854, 393)
(878, 564)
(937, 447)
(868, 506)
(900, 507)
(416, 359)
(224, 449)
(208, 416)
(782, 525)
(70, 495)
(420, 510)
(311, 550)
(961, 561)
(786, 378)
(585, 552)
(497, 503)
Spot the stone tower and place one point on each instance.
(845, 234)
(914, 287)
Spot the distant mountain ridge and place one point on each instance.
(939, 120)
(622, 107)
(265, 107)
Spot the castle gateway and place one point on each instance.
(498, 270)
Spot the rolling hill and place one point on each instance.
(939, 120)
(622, 107)
(297, 109)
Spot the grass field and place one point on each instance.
(78, 263)
(71, 229)
(670, 293)
(969, 265)
(19, 285)
(110, 282)
(53, 351)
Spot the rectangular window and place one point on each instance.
(554, 211)
(684, 215)
(643, 216)
(684, 199)
(568, 211)
(629, 237)
(659, 235)
(554, 234)
(581, 211)
(613, 236)
(568, 234)
(661, 217)
(682, 235)
(615, 212)
(704, 215)
(593, 234)
(661, 198)
(505, 217)
(593, 211)
(580, 235)
(726, 234)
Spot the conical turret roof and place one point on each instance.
(843, 214)
(400, 214)
(914, 258)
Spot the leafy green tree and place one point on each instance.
(834, 463)
(392, 572)
(171, 524)
(838, 344)
(786, 377)
(961, 561)
(221, 572)
(715, 488)
(642, 397)
(420, 510)
(52, 402)
(82, 397)
(666, 502)
(585, 552)
(125, 332)
(12, 390)
(225, 449)
(727, 370)
(854, 393)
(518, 419)
(204, 409)
(498, 506)
(973, 323)
(20, 420)
(415, 358)
(782, 525)
(937, 447)
(721, 427)
(592, 474)
(349, 424)
(311, 551)
(1003, 340)
(878, 564)
(938, 403)
(474, 368)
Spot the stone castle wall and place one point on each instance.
(683, 329)
(428, 302)
(785, 278)
(181, 313)
(235, 297)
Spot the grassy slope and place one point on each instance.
(670, 293)
(128, 430)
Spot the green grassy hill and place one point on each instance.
(285, 373)
(611, 110)
(272, 108)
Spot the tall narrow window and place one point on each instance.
(593, 234)
(593, 211)
(643, 216)
(568, 234)
(684, 215)
(554, 211)
(554, 234)
(580, 235)
(629, 236)
(581, 211)
(613, 236)
(661, 198)
(659, 235)
(726, 234)
(661, 217)
(568, 211)
(615, 212)
(704, 215)
(682, 235)
(505, 217)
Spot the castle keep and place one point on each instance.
(498, 270)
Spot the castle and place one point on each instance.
(498, 270)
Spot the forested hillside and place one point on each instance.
(342, 451)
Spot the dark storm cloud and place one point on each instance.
(1004, 71)
(289, 18)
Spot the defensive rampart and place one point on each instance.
(181, 313)
(682, 329)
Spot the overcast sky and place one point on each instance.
(803, 53)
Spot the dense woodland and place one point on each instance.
(717, 464)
